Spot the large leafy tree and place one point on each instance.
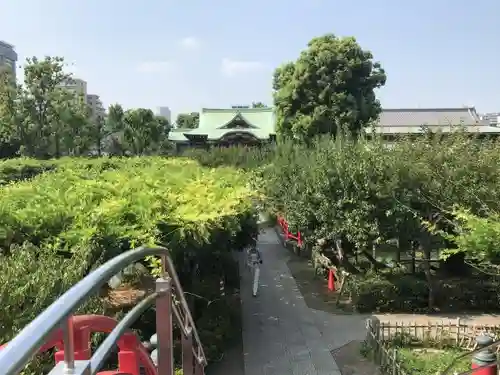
(135, 131)
(188, 120)
(10, 126)
(43, 118)
(330, 87)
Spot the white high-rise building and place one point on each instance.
(96, 107)
(165, 112)
(77, 85)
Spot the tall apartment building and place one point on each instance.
(493, 119)
(96, 106)
(165, 112)
(8, 57)
(76, 85)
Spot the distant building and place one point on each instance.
(77, 85)
(491, 118)
(96, 106)
(400, 121)
(228, 126)
(8, 57)
(165, 112)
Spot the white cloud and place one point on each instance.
(234, 67)
(155, 66)
(190, 43)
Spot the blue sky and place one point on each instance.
(192, 53)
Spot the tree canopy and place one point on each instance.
(188, 120)
(41, 118)
(330, 87)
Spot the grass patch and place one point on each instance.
(429, 361)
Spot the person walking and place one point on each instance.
(254, 260)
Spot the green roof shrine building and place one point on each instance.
(228, 127)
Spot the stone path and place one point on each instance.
(281, 335)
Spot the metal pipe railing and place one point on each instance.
(19, 351)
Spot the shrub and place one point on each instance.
(388, 293)
(355, 196)
(90, 210)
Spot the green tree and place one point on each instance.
(10, 127)
(72, 125)
(142, 131)
(188, 120)
(330, 87)
(135, 131)
(115, 125)
(258, 105)
(98, 134)
(44, 119)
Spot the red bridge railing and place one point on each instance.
(286, 232)
(70, 334)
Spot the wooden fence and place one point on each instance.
(381, 334)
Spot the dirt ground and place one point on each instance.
(351, 362)
(348, 357)
(315, 289)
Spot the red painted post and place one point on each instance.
(331, 281)
(486, 358)
(299, 239)
(128, 357)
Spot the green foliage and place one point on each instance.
(12, 170)
(41, 118)
(135, 131)
(58, 226)
(416, 356)
(188, 120)
(475, 236)
(357, 196)
(239, 157)
(388, 292)
(429, 361)
(328, 89)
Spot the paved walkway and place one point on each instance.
(281, 335)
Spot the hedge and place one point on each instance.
(399, 292)
(58, 226)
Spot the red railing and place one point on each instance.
(70, 334)
(132, 355)
(286, 232)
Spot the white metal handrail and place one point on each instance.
(19, 351)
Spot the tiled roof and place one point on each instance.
(411, 120)
(428, 116)
(261, 123)
(212, 119)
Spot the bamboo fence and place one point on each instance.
(452, 332)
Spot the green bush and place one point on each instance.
(361, 194)
(58, 226)
(398, 292)
(388, 293)
(13, 170)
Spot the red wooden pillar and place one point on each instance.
(128, 357)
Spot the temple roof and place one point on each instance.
(215, 123)
(261, 118)
(411, 120)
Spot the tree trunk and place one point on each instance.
(427, 270)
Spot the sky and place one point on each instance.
(191, 54)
